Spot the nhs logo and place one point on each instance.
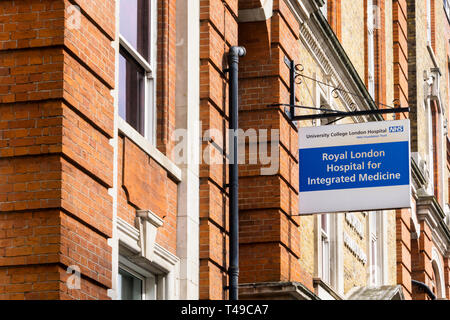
(395, 129)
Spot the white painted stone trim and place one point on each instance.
(114, 241)
(436, 258)
(258, 14)
(149, 216)
(188, 119)
(128, 235)
(150, 149)
(148, 224)
(161, 259)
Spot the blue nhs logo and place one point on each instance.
(396, 129)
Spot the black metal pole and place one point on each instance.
(233, 271)
(425, 288)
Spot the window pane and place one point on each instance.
(325, 261)
(130, 286)
(324, 223)
(135, 24)
(374, 264)
(373, 222)
(131, 92)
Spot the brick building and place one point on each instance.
(114, 148)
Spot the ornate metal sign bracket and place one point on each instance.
(295, 77)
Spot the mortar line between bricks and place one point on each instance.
(274, 175)
(84, 117)
(82, 275)
(65, 157)
(265, 77)
(65, 48)
(84, 223)
(52, 264)
(74, 56)
(216, 107)
(85, 170)
(46, 264)
(268, 242)
(216, 67)
(209, 219)
(92, 20)
(65, 211)
(295, 35)
(221, 188)
(289, 217)
(222, 268)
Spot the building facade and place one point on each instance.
(114, 148)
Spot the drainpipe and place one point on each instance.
(233, 271)
(425, 288)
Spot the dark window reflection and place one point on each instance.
(130, 287)
(135, 24)
(131, 91)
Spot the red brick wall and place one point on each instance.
(400, 33)
(145, 185)
(404, 251)
(56, 120)
(56, 116)
(403, 220)
(166, 75)
(447, 277)
(269, 238)
(334, 16)
(379, 37)
(218, 31)
(421, 261)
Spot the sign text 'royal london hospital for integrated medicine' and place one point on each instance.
(354, 167)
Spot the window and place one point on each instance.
(135, 283)
(370, 48)
(325, 247)
(130, 287)
(373, 242)
(137, 65)
(431, 139)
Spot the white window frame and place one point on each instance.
(430, 158)
(150, 68)
(370, 48)
(377, 240)
(163, 264)
(447, 9)
(150, 282)
(325, 249)
(374, 265)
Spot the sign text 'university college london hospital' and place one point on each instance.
(355, 167)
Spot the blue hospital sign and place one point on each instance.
(354, 167)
